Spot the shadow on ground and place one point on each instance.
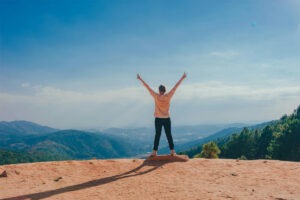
(93, 183)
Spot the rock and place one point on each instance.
(233, 174)
(3, 173)
(175, 158)
(57, 179)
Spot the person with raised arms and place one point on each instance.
(162, 101)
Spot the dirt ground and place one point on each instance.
(142, 179)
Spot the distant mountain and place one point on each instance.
(142, 138)
(278, 140)
(191, 144)
(23, 128)
(71, 144)
(14, 157)
(27, 140)
(139, 139)
(222, 136)
(22, 141)
(83, 145)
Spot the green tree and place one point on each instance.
(288, 143)
(280, 139)
(264, 141)
(242, 144)
(209, 150)
(296, 113)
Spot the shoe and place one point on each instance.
(154, 153)
(173, 153)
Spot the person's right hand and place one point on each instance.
(184, 75)
(138, 76)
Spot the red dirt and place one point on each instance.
(140, 179)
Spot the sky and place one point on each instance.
(73, 64)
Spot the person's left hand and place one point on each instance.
(138, 77)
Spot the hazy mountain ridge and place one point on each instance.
(217, 136)
(24, 128)
(195, 146)
(85, 145)
(278, 139)
(181, 134)
(37, 142)
(23, 137)
(63, 145)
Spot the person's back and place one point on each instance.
(162, 105)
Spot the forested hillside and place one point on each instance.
(279, 140)
(62, 145)
(13, 157)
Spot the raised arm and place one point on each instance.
(177, 84)
(146, 85)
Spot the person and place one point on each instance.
(162, 113)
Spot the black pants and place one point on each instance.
(166, 123)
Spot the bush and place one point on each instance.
(243, 157)
(209, 150)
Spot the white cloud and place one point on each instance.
(216, 89)
(204, 102)
(50, 94)
(105, 96)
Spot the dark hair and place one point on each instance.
(162, 88)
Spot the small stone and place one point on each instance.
(3, 174)
(57, 179)
(233, 174)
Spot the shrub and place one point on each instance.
(209, 150)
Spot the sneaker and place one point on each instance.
(154, 153)
(173, 153)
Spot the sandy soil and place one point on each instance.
(140, 179)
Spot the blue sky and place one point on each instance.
(74, 63)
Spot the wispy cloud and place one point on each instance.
(228, 54)
(191, 91)
(216, 89)
(134, 106)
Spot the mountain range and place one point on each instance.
(224, 133)
(38, 142)
(21, 138)
(24, 128)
